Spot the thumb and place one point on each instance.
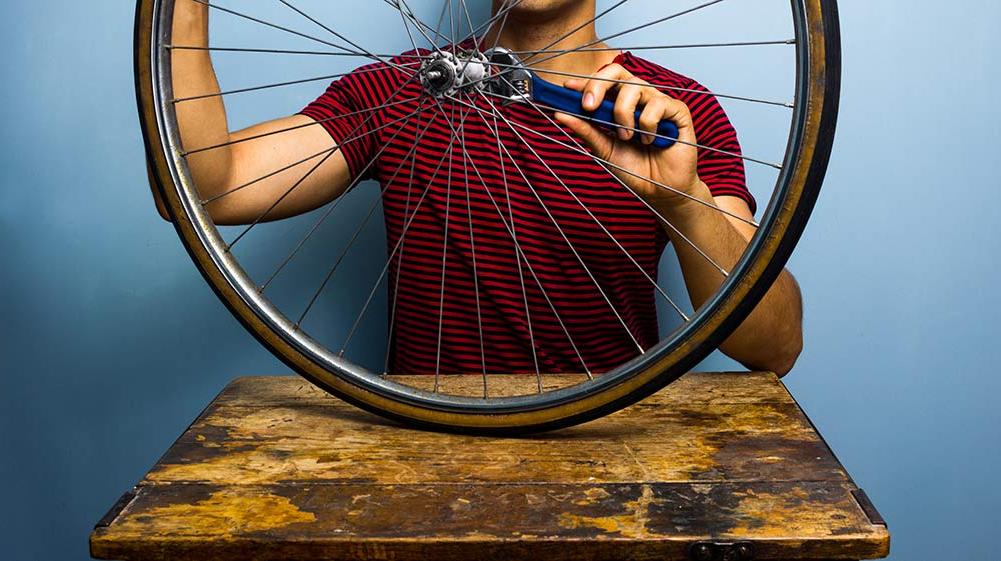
(600, 143)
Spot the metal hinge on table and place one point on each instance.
(117, 508)
(721, 551)
(868, 508)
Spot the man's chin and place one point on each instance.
(536, 8)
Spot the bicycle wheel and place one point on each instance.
(487, 401)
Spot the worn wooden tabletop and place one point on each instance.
(276, 469)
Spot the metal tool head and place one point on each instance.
(509, 78)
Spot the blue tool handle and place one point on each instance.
(569, 101)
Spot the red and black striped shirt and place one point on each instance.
(544, 296)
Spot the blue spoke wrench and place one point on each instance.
(515, 82)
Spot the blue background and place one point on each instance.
(110, 342)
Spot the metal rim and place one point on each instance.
(806, 157)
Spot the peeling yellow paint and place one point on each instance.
(592, 496)
(703, 433)
(631, 523)
(226, 513)
(772, 516)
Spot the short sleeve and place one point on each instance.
(344, 111)
(720, 164)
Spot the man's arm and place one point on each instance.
(771, 337)
(203, 123)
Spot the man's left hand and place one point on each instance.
(674, 167)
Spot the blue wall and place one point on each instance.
(110, 343)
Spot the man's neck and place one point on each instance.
(552, 40)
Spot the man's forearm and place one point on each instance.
(771, 337)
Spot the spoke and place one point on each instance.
(656, 47)
(655, 135)
(280, 51)
(519, 252)
(347, 248)
(332, 206)
(569, 191)
(312, 123)
(555, 222)
(607, 163)
(399, 260)
(444, 243)
(303, 160)
(275, 26)
(619, 180)
(267, 175)
(289, 83)
(469, 21)
(578, 28)
(409, 189)
(441, 23)
(654, 86)
(340, 36)
(406, 27)
(278, 201)
(679, 141)
(406, 212)
(451, 25)
(418, 24)
(476, 43)
(514, 237)
(403, 235)
(521, 276)
(472, 246)
(503, 24)
(267, 211)
(631, 30)
(503, 12)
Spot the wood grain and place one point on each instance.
(276, 469)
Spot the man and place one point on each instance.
(521, 254)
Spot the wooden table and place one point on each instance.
(716, 466)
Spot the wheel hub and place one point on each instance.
(446, 74)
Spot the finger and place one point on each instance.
(648, 91)
(650, 118)
(625, 109)
(601, 82)
(600, 143)
(576, 84)
(676, 111)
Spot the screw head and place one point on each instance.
(702, 552)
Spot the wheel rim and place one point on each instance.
(798, 181)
